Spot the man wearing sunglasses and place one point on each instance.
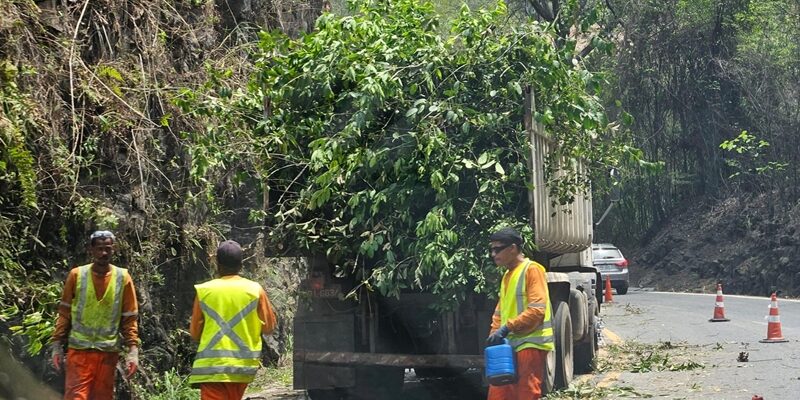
(96, 317)
(522, 316)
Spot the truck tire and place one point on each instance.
(549, 380)
(562, 330)
(578, 313)
(586, 350)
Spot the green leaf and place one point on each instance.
(517, 87)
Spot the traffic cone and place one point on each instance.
(719, 307)
(608, 297)
(774, 334)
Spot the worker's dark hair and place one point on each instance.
(229, 258)
(508, 236)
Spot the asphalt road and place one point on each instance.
(772, 370)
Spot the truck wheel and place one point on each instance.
(549, 381)
(586, 350)
(578, 313)
(585, 353)
(562, 330)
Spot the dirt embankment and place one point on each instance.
(749, 243)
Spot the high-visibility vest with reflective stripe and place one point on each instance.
(514, 300)
(95, 323)
(230, 346)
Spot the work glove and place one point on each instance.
(132, 360)
(497, 336)
(57, 355)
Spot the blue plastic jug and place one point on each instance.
(501, 365)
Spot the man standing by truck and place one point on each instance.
(230, 314)
(522, 316)
(98, 305)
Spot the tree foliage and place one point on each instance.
(695, 75)
(394, 149)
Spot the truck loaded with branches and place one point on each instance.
(386, 148)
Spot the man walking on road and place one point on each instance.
(230, 314)
(98, 305)
(522, 316)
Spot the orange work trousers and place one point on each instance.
(90, 375)
(530, 372)
(222, 390)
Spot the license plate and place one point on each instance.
(328, 292)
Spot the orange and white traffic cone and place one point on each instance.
(719, 307)
(608, 297)
(774, 334)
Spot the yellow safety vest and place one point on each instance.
(95, 323)
(230, 346)
(514, 300)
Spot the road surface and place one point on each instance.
(771, 370)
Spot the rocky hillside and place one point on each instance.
(92, 137)
(749, 243)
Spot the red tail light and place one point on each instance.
(623, 263)
(316, 283)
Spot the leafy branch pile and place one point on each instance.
(641, 357)
(394, 149)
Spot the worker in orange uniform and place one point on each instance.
(98, 305)
(522, 316)
(230, 316)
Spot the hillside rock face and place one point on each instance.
(749, 243)
(88, 93)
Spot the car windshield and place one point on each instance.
(605, 254)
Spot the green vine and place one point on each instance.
(16, 161)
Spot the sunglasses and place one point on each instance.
(497, 249)
(102, 235)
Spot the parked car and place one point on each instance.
(610, 262)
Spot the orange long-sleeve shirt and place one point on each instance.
(536, 291)
(129, 327)
(265, 314)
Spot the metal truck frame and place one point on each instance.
(351, 349)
